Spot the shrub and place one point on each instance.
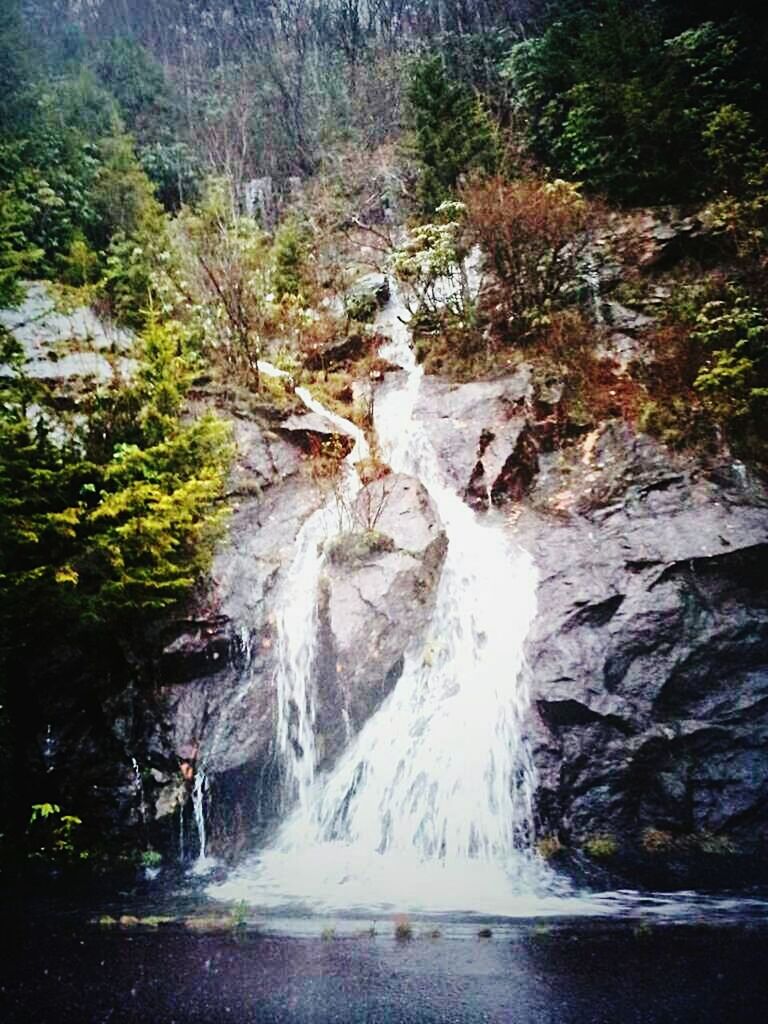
(549, 846)
(352, 547)
(734, 379)
(535, 236)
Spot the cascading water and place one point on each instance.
(204, 863)
(430, 806)
(296, 618)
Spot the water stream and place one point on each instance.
(429, 808)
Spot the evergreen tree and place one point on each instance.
(451, 132)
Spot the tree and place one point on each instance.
(221, 276)
(610, 100)
(451, 133)
(110, 515)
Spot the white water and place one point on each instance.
(203, 863)
(430, 806)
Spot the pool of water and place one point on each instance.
(181, 957)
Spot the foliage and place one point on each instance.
(601, 846)
(17, 255)
(613, 102)
(107, 516)
(451, 131)
(549, 846)
(354, 547)
(53, 835)
(122, 196)
(151, 859)
(174, 170)
(220, 278)
(734, 379)
(431, 267)
(137, 82)
(535, 236)
(16, 76)
(290, 251)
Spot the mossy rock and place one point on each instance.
(353, 547)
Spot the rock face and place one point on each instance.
(376, 602)
(483, 434)
(66, 345)
(648, 658)
(649, 655)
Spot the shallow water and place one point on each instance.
(705, 964)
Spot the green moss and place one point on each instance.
(601, 846)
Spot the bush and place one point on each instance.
(535, 236)
(354, 547)
(601, 846)
(431, 267)
(611, 101)
(734, 380)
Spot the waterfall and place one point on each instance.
(297, 617)
(430, 805)
(203, 863)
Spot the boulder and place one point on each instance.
(311, 430)
(377, 596)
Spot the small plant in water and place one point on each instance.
(151, 859)
(328, 934)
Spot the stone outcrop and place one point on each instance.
(377, 596)
(220, 669)
(649, 655)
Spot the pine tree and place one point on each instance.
(451, 131)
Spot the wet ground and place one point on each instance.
(616, 971)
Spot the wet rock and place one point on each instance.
(335, 352)
(366, 296)
(649, 655)
(667, 237)
(65, 344)
(311, 430)
(476, 431)
(376, 606)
